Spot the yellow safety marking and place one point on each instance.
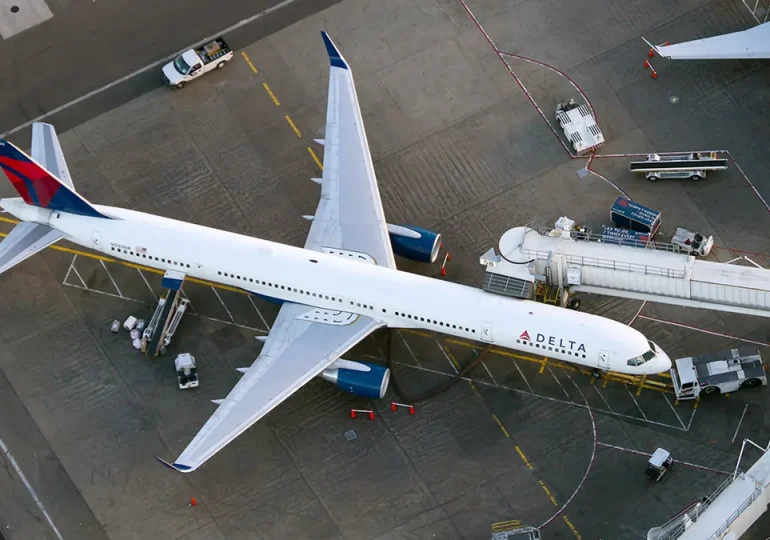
(243, 53)
(641, 384)
(727, 394)
(524, 458)
(676, 402)
(9, 220)
(542, 367)
(548, 492)
(501, 526)
(571, 527)
(315, 158)
(288, 119)
(272, 96)
(499, 423)
(695, 405)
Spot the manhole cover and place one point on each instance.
(674, 99)
(350, 435)
(14, 9)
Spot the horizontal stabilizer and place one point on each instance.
(175, 466)
(25, 240)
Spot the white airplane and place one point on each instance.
(753, 43)
(335, 291)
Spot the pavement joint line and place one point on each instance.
(711, 332)
(248, 61)
(29, 488)
(270, 93)
(293, 126)
(737, 429)
(315, 158)
(148, 67)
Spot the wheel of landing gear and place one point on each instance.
(574, 303)
(597, 374)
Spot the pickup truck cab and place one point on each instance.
(193, 63)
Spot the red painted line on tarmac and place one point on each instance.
(720, 334)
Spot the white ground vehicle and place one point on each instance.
(660, 462)
(193, 63)
(692, 242)
(579, 126)
(693, 165)
(717, 373)
(186, 373)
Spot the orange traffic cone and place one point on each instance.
(193, 502)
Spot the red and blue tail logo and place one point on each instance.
(38, 187)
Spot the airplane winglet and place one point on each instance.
(175, 466)
(335, 58)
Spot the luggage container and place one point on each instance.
(627, 214)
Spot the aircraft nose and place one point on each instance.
(661, 364)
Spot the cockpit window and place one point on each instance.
(639, 360)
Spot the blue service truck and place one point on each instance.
(628, 214)
(625, 237)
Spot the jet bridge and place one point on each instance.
(729, 512)
(581, 262)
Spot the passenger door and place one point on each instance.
(604, 360)
(486, 332)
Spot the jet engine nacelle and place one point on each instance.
(359, 378)
(414, 243)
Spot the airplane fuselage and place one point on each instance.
(338, 281)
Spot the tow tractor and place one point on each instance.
(718, 373)
(193, 63)
(692, 242)
(186, 372)
(579, 126)
(693, 165)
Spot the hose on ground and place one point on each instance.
(433, 392)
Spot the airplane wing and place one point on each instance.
(296, 350)
(349, 215)
(24, 240)
(47, 152)
(305, 340)
(742, 45)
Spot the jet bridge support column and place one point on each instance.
(161, 320)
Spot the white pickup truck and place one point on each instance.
(193, 63)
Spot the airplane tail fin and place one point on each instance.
(38, 187)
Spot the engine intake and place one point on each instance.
(359, 378)
(414, 243)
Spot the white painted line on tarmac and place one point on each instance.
(711, 332)
(31, 491)
(739, 423)
(125, 78)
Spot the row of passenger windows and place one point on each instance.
(301, 291)
(550, 348)
(352, 302)
(152, 258)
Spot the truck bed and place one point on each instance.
(213, 51)
(750, 363)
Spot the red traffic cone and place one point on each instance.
(654, 75)
(352, 413)
(393, 406)
(443, 271)
(646, 64)
(411, 410)
(193, 502)
(371, 415)
(651, 54)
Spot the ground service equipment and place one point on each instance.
(186, 372)
(692, 165)
(632, 215)
(193, 63)
(692, 242)
(717, 373)
(579, 126)
(660, 462)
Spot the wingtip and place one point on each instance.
(335, 58)
(175, 466)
